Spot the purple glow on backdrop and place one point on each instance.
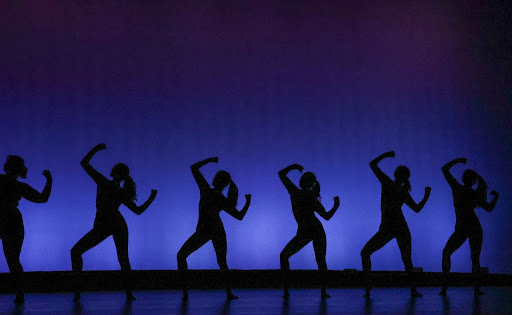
(261, 86)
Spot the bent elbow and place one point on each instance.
(40, 200)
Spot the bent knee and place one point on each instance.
(284, 256)
(75, 252)
(447, 252)
(181, 256)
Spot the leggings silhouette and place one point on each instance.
(109, 221)
(12, 231)
(209, 225)
(304, 205)
(393, 225)
(467, 225)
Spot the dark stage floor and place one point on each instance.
(498, 300)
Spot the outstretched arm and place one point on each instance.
(201, 182)
(283, 175)
(94, 174)
(482, 189)
(140, 209)
(375, 167)
(416, 207)
(446, 170)
(239, 215)
(328, 215)
(33, 195)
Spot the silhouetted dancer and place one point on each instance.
(109, 221)
(467, 225)
(209, 225)
(12, 231)
(305, 202)
(393, 225)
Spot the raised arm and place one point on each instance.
(446, 170)
(328, 215)
(283, 175)
(375, 167)
(416, 207)
(33, 195)
(239, 215)
(140, 209)
(201, 182)
(85, 163)
(482, 190)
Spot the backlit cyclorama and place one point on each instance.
(327, 88)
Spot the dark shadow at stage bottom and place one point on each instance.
(268, 301)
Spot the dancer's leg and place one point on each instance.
(454, 242)
(221, 250)
(320, 247)
(88, 241)
(12, 248)
(295, 244)
(191, 245)
(475, 244)
(403, 239)
(377, 241)
(121, 242)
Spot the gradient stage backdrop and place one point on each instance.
(261, 86)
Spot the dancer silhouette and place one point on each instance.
(209, 225)
(467, 225)
(393, 225)
(109, 221)
(12, 231)
(305, 202)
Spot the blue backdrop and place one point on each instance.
(261, 86)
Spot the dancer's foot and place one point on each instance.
(479, 292)
(286, 294)
(367, 293)
(415, 293)
(325, 295)
(76, 298)
(231, 296)
(443, 292)
(130, 297)
(185, 296)
(19, 299)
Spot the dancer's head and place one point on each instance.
(469, 177)
(307, 181)
(15, 166)
(402, 175)
(221, 180)
(121, 172)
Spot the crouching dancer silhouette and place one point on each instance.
(12, 231)
(467, 225)
(393, 225)
(305, 202)
(209, 225)
(109, 221)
